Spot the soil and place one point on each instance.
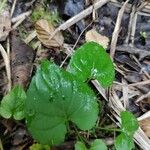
(132, 61)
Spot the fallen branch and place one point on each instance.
(140, 138)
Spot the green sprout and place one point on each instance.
(42, 13)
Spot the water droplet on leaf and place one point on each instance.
(63, 97)
(31, 112)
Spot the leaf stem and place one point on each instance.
(1, 145)
(109, 129)
(84, 140)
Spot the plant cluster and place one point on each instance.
(57, 97)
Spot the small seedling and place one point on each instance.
(124, 141)
(129, 125)
(90, 62)
(67, 97)
(143, 37)
(12, 105)
(57, 97)
(96, 145)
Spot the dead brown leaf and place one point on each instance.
(145, 125)
(93, 35)
(5, 25)
(44, 31)
(145, 104)
(21, 61)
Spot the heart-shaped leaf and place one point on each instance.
(91, 61)
(129, 123)
(12, 105)
(54, 98)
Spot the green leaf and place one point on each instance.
(129, 123)
(38, 146)
(54, 98)
(12, 105)
(98, 145)
(80, 146)
(124, 142)
(91, 61)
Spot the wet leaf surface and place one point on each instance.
(91, 61)
(65, 99)
(127, 69)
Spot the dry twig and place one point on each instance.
(130, 25)
(139, 83)
(144, 116)
(79, 16)
(13, 7)
(147, 95)
(133, 50)
(7, 65)
(23, 15)
(116, 30)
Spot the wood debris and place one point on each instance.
(5, 25)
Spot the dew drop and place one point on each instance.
(51, 96)
(95, 72)
(51, 99)
(63, 97)
(31, 112)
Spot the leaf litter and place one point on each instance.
(44, 31)
(134, 73)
